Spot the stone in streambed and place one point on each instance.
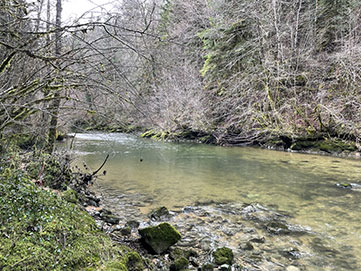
(108, 217)
(207, 267)
(225, 267)
(160, 237)
(111, 219)
(179, 264)
(222, 256)
(160, 214)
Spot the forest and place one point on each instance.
(232, 72)
(282, 74)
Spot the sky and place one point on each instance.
(73, 9)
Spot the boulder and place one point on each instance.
(160, 237)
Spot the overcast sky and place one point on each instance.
(73, 9)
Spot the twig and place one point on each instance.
(95, 172)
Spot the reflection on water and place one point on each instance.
(182, 174)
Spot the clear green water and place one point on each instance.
(181, 174)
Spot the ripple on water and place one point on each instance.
(176, 175)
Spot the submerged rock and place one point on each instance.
(246, 246)
(258, 239)
(278, 227)
(290, 253)
(160, 214)
(222, 256)
(344, 185)
(160, 237)
(111, 219)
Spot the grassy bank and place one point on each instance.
(45, 229)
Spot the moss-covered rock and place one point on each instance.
(336, 146)
(179, 264)
(303, 145)
(223, 255)
(207, 267)
(325, 145)
(186, 253)
(160, 237)
(134, 262)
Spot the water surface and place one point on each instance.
(180, 174)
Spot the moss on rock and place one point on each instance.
(179, 264)
(223, 255)
(207, 267)
(160, 237)
(134, 262)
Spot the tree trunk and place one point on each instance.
(54, 108)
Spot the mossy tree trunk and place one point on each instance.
(54, 108)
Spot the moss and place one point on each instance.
(70, 196)
(134, 262)
(223, 255)
(207, 267)
(336, 146)
(41, 231)
(178, 253)
(115, 266)
(179, 264)
(303, 145)
(326, 145)
(160, 237)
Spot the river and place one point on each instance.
(179, 174)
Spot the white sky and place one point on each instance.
(73, 9)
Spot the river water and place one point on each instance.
(179, 174)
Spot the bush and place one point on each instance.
(41, 231)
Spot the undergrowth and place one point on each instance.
(39, 230)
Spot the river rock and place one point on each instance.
(344, 185)
(290, 253)
(207, 267)
(160, 214)
(160, 237)
(224, 267)
(277, 227)
(133, 224)
(111, 219)
(257, 239)
(179, 264)
(222, 256)
(246, 246)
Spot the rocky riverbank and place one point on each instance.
(247, 236)
(321, 144)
